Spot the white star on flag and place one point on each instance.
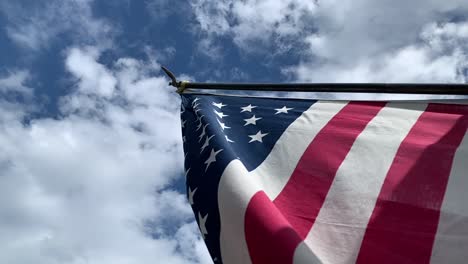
(257, 137)
(212, 158)
(199, 118)
(183, 123)
(187, 172)
(202, 224)
(223, 126)
(252, 120)
(219, 105)
(220, 114)
(247, 108)
(191, 194)
(203, 133)
(196, 105)
(228, 139)
(284, 109)
(207, 142)
(194, 101)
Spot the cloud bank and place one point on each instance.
(92, 185)
(348, 41)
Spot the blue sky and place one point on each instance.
(90, 132)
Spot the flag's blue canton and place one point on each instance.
(218, 129)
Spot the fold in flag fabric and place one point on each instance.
(304, 181)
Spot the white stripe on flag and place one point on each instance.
(451, 242)
(237, 186)
(234, 193)
(338, 231)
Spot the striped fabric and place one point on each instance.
(302, 181)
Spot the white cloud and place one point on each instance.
(439, 56)
(35, 25)
(91, 186)
(94, 77)
(253, 25)
(253, 20)
(16, 82)
(262, 19)
(349, 41)
(212, 15)
(13, 86)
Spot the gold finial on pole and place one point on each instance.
(179, 85)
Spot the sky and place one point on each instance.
(91, 148)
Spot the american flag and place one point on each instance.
(274, 180)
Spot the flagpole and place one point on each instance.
(391, 88)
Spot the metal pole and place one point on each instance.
(392, 88)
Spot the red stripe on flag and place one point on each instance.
(270, 237)
(274, 236)
(404, 221)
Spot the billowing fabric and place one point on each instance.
(303, 181)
